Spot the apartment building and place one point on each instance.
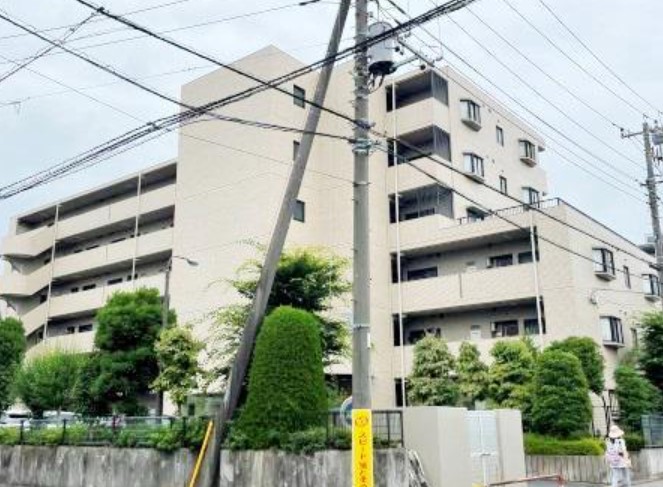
(465, 273)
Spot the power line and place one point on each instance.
(41, 53)
(163, 124)
(595, 56)
(567, 56)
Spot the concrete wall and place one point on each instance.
(330, 468)
(29, 466)
(647, 465)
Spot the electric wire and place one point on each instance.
(571, 59)
(596, 56)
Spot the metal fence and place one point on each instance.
(103, 431)
(387, 428)
(652, 430)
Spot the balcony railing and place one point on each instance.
(512, 210)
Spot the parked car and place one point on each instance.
(12, 418)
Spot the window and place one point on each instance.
(604, 263)
(78, 251)
(89, 287)
(425, 142)
(299, 96)
(85, 328)
(129, 277)
(531, 196)
(474, 215)
(473, 165)
(418, 88)
(627, 277)
(47, 260)
(43, 298)
(73, 290)
(475, 333)
(71, 330)
(118, 240)
(425, 273)
(527, 152)
(532, 326)
(504, 185)
(421, 202)
(414, 336)
(499, 133)
(295, 150)
(91, 247)
(500, 261)
(652, 287)
(525, 257)
(300, 211)
(501, 329)
(612, 330)
(471, 114)
(116, 280)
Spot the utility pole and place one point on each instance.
(276, 244)
(652, 195)
(361, 381)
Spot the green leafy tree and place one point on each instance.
(286, 390)
(651, 355)
(591, 359)
(12, 349)
(49, 382)
(177, 355)
(636, 397)
(86, 402)
(127, 330)
(510, 377)
(431, 382)
(306, 278)
(561, 405)
(472, 375)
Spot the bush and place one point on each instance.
(591, 359)
(545, 445)
(286, 391)
(432, 382)
(561, 405)
(634, 442)
(636, 396)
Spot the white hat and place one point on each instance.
(615, 432)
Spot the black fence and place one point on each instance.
(150, 431)
(387, 428)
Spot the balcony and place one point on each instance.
(424, 113)
(87, 302)
(35, 318)
(23, 285)
(77, 342)
(114, 253)
(467, 290)
(28, 244)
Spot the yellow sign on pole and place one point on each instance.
(362, 448)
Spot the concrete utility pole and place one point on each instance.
(652, 193)
(361, 380)
(266, 280)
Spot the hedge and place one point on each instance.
(546, 445)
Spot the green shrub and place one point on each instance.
(545, 445)
(9, 436)
(286, 391)
(634, 442)
(637, 397)
(432, 382)
(591, 359)
(561, 405)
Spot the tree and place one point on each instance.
(49, 382)
(12, 349)
(128, 327)
(510, 376)
(636, 397)
(561, 405)
(651, 356)
(306, 278)
(286, 390)
(587, 351)
(431, 382)
(177, 355)
(86, 401)
(472, 375)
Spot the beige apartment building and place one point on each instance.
(465, 274)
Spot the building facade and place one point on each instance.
(476, 264)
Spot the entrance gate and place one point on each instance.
(484, 447)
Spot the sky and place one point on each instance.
(43, 121)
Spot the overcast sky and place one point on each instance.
(41, 126)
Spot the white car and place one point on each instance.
(14, 418)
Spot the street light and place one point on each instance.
(166, 308)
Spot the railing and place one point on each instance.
(105, 431)
(652, 430)
(512, 210)
(387, 428)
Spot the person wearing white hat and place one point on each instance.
(617, 457)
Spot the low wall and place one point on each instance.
(32, 466)
(647, 465)
(329, 469)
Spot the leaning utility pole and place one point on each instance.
(361, 382)
(652, 195)
(276, 244)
